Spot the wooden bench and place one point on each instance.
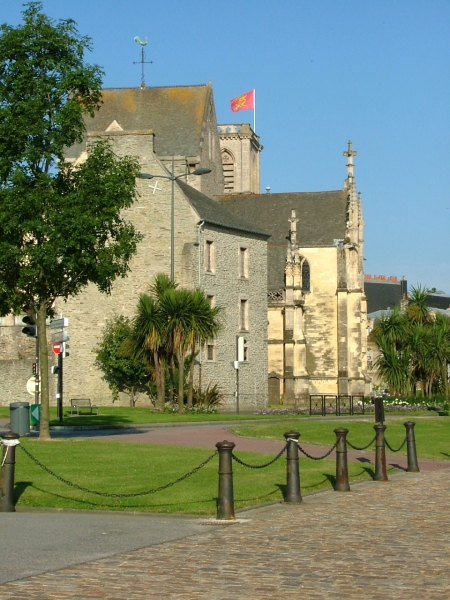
(79, 403)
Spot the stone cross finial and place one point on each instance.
(350, 153)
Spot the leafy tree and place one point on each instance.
(123, 371)
(60, 226)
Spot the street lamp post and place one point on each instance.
(173, 178)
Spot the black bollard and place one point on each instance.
(413, 466)
(225, 503)
(380, 454)
(9, 442)
(293, 494)
(342, 484)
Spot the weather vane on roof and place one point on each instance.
(142, 62)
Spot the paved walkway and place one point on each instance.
(383, 541)
(206, 436)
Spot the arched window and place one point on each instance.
(228, 171)
(306, 275)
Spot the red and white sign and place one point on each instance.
(57, 348)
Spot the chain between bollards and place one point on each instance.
(413, 466)
(9, 442)
(225, 501)
(380, 453)
(342, 484)
(293, 494)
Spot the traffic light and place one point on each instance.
(30, 330)
(55, 370)
(64, 348)
(34, 368)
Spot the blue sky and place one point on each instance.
(326, 71)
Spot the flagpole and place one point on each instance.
(254, 110)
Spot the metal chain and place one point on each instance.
(392, 449)
(146, 493)
(244, 464)
(317, 457)
(364, 447)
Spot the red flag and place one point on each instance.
(243, 102)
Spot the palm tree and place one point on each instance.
(417, 310)
(189, 320)
(414, 347)
(438, 355)
(205, 326)
(171, 322)
(393, 366)
(161, 284)
(177, 308)
(150, 341)
(392, 327)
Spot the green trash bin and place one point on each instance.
(19, 414)
(35, 414)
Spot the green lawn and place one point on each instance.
(432, 434)
(123, 416)
(118, 467)
(122, 467)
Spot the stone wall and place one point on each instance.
(151, 214)
(17, 355)
(228, 289)
(330, 357)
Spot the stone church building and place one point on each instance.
(317, 314)
(287, 268)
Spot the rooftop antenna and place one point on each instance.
(142, 62)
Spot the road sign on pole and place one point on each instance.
(57, 348)
(61, 336)
(59, 323)
(31, 385)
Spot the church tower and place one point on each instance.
(352, 304)
(240, 149)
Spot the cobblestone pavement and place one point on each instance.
(383, 541)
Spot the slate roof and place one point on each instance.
(322, 219)
(213, 213)
(175, 114)
(382, 295)
(438, 300)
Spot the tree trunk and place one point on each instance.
(160, 383)
(44, 426)
(180, 358)
(200, 371)
(172, 379)
(191, 377)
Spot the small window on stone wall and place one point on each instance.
(243, 315)
(210, 257)
(228, 171)
(210, 352)
(306, 276)
(243, 262)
